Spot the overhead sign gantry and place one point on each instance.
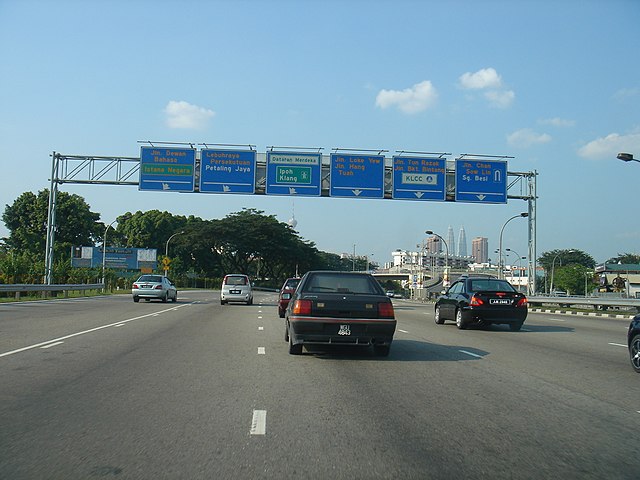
(293, 171)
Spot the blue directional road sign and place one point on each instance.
(481, 181)
(359, 176)
(227, 171)
(419, 178)
(292, 173)
(167, 169)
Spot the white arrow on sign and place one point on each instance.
(292, 191)
(356, 192)
(165, 186)
(226, 188)
(481, 197)
(418, 194)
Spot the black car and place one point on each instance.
(482, 301)
(339, 308)
(633, 340)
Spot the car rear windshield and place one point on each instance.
(336, 283)
(491, 285)
(292, 284)
(235, 280)
(150, 278)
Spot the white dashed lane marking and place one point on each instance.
(259, 422)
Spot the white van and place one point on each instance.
(236, 287)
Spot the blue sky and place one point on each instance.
(555, 84)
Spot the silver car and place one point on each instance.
(154, 286)
(236, 287)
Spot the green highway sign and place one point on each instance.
(293, 175)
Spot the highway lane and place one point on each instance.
(200, 390)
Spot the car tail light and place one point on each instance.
(302, 307)
(522, 302)
(135, 287)
(158, 287)
(385, 310)
(476, 301)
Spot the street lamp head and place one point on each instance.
(524, 214)
(429, 232)
(625, 157)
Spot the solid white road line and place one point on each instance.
(120, 322)
(618, 345)
(52, 345)
(469, 353)
(403, 331)
(259, 422)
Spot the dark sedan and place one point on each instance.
(340, 308)
(633, 340)
(482, 301)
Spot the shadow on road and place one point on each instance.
(401, 351)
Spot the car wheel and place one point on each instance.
(460, 321)
(438, 317)
(222, 302)
(136, 299)
(175, 298)
(294, 349)
(634, 353)
(165, 298)
(381, 350)
(286, 333)
(515, 327)
(250, 302)
(281, 313)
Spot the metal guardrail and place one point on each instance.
(19, 288)
(590, 301)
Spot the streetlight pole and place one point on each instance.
(104, 252)
(553, 267)
(500, 267)
(446, 258)
(519, 263)
(166, 249)
(627, 157)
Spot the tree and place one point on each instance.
(26, 220)
(573, 278)
(565, 257)
(625, 258)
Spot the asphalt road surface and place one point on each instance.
(108, 388)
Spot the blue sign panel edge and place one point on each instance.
(377, 192)
(161, 180)
(417, 194)
(226, 187)
(311, 190)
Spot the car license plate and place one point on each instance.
(235, 292)
(344, 330)
(500, 301)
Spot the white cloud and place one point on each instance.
(558, 122)
(485, 78)
(608, 147)
(526, 137)
(410, 100)
(181, 114)
(500, 98)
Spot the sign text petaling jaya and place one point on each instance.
(298, 173)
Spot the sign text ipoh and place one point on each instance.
(293, 173)
(167, 169)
